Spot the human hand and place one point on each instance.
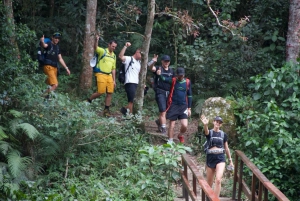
(42, 39)
(68, 71)
(158, 72)
(155, 57)
(189, 112)
(204, 119)
(97, 37)
(127, 44)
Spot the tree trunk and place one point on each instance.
(292, 43)
(88, 46)
(145, 49)
(10, 16)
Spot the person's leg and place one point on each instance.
(219, 174)
(162, 106)
(171, 130)
(51, 80)
(130, 89)
(100, 88)
(130, 106)
(108, 80)
(210, 173)
(183, 128)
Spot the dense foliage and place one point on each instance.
(269, 126)
(62, 149)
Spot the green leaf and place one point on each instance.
(30, 130)
(248, 143)
(15, 113)
(256, 96)
(16, 163)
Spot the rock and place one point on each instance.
(217, 106)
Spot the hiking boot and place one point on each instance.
(106, 113)
(123, 111)
(181, 138)
(163, 130)
(158, 125)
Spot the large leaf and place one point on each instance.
(16, 163)
(30, 130)
(2, 134)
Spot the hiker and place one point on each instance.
(215, 158)
(161, 88)
(132, 70)
(106, 76)
(179, 102)
(50, 63)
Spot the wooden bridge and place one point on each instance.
(260, 189)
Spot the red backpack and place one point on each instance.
(169, 102)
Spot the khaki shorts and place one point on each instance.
(105, 83)
(51, 72)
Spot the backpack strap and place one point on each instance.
(211, 137)
(169, 101)
(131, 61)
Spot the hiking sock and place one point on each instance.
(170, 140)
(106, 107)
(163, 125)
(89, 100)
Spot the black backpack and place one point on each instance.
(122, 71)
(207, 145)
(41, 54)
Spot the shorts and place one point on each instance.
(213, 159)
(130, 89)
(161, 99)
(177, 112)
(51, 72)
(105, 83)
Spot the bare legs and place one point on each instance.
(218, 174)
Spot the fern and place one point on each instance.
(2, 133)
(30, 130)
(16, 163)
(4, 147)
(15, 113)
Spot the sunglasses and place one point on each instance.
(57, 34)
(219, 122)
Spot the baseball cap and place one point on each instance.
(56, 34)
(166, 58)
(218, 118)
(180, 71)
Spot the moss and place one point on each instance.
(217, 106)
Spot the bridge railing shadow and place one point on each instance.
(260, 188)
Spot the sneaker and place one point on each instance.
(181, 138)
(163, 131)
(158, 125)
(123, 111)
(106, 113)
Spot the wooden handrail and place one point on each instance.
(197, 178)
(257, 193)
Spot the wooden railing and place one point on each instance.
(187, 190)
(260, 185)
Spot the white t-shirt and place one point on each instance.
(132, 74)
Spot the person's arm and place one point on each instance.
(121, 54)
(96, 42)
(227, 151)
(152, 63)
(189, 98)
(205, 124)
(62, 62)
(42, 43)
(113, 72)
